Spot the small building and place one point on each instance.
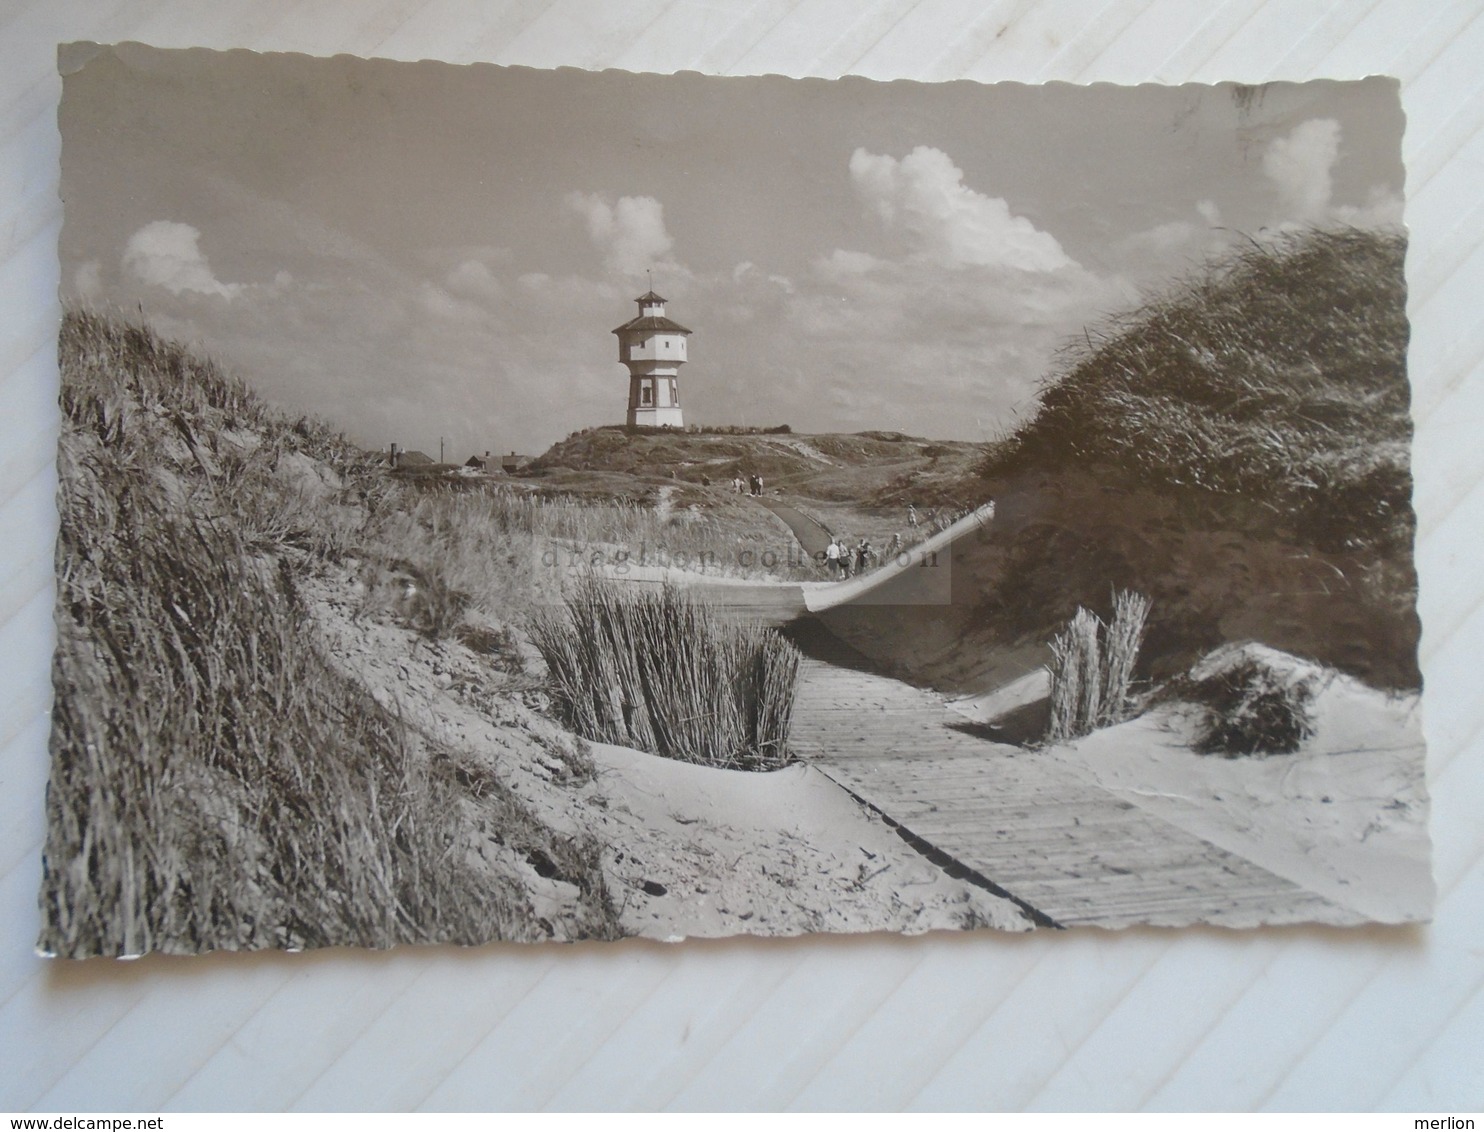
(652, 346)
(513, 463)
(398, 458)
(478, 463)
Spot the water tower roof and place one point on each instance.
(651, 297)
(652, 322)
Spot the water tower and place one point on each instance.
(653, 347)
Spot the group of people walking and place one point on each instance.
(843, 560)
(752, 486)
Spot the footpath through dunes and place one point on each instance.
(813, 535)
(919, 577)
(1031, 826)
(1027, 824)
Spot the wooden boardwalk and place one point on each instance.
(1028, 825)
(1025, 823)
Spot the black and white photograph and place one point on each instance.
(502, 503)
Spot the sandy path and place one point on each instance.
(702, 852)
(867, 589)
(813, 536)
(776, 602)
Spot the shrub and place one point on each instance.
(416, 596)
(1251, 708)
(665, 673)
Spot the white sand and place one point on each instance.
(1345, 816)
(693, 851)
(689, 851)
(775, 853)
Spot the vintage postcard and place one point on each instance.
(503, 504)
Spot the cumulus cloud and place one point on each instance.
(473, 279)
(630, 233)
(166, 254)
(840, 265)
(439, 303)
(87, 280)
(1161, 240)
(1151, 255)
(924, 195)
(1383, 209)
(967, 311)
(748, 272)
(1301, 167)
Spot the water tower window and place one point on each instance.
(646, 393)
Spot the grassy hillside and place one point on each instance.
(216, 782)
(1236, 448)
(869, 468)
(1274, 383)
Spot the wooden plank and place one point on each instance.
(1025, 821)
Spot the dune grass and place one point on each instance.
(497, 542)
(1277, 375)
(665, 673)
(1238, 449)
(1092, 668)
(214, 783)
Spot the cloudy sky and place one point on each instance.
(416, 251)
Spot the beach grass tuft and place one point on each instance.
(1092, 668)
(664, 672)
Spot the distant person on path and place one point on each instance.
(862, 556)
(737, 482)
(832, 557)
(912, 516)
(894, 546)
(844, 556)
(759, 485)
